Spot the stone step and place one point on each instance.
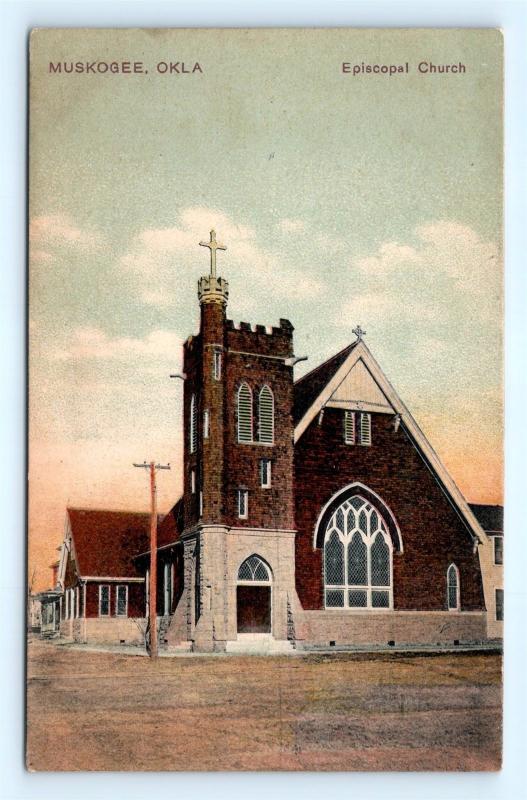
(262, 644)
(180, 647)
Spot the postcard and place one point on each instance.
(265, 400)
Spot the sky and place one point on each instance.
(341, 199)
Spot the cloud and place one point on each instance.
(161, 262)
(292, 225)
(59, 230)
(448, 277)
(389, 257)
(93, 343)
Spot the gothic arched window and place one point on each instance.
(254, 568)
(452, 582)
(266, 416)
(357, 557)
(245, 414)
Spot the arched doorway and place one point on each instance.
(253, 596)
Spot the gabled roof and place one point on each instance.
(105, 542)
(307, 388)
(489, 517)
(319, 393)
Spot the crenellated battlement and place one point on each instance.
(267, 340)
(269, 330)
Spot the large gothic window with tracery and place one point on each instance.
(357, 558)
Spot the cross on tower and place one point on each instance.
(213, 246)
(359, 333)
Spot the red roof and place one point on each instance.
(107, 541)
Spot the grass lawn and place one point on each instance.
(102, 711)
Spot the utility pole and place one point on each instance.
(152, 591)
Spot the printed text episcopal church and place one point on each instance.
(313, 512)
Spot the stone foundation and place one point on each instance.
(400, 627)
(98, 630)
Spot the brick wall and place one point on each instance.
(220, 463)
(192, 364)
(432, 532)
(136, 599)
(272, 507)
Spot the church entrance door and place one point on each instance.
(253, 596)
(254, 609)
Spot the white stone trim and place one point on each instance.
(107, 579)
(360, 405)
(285, 534)
(361, 352)
(358, 486)
(257, 355)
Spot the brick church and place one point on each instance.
(314, 512)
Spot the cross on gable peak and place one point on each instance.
(359, 333)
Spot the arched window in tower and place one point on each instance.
(245, 414)
(357, 557)
(193, 427)
(452, 582)
(266, 416)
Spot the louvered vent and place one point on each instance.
(365, 429)
(245, 414)
(266, 416)
(349, 427)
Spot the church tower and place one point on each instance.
(238, 467)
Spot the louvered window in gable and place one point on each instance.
(266, 416)
(349, 427)
(245, 414)
(365, 429)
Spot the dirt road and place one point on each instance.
(102, 711)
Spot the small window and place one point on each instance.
(245, 414)
(216, 365)
(243, 503)
(193, 481)
(121, 601)
(206, 424)
(265, 473)
(499, 605)
(498, 549)
(193, 428)
(266, 416)
(365, 429)
(452, 579)
(104, 601)
(201, 504)
(349, 427)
